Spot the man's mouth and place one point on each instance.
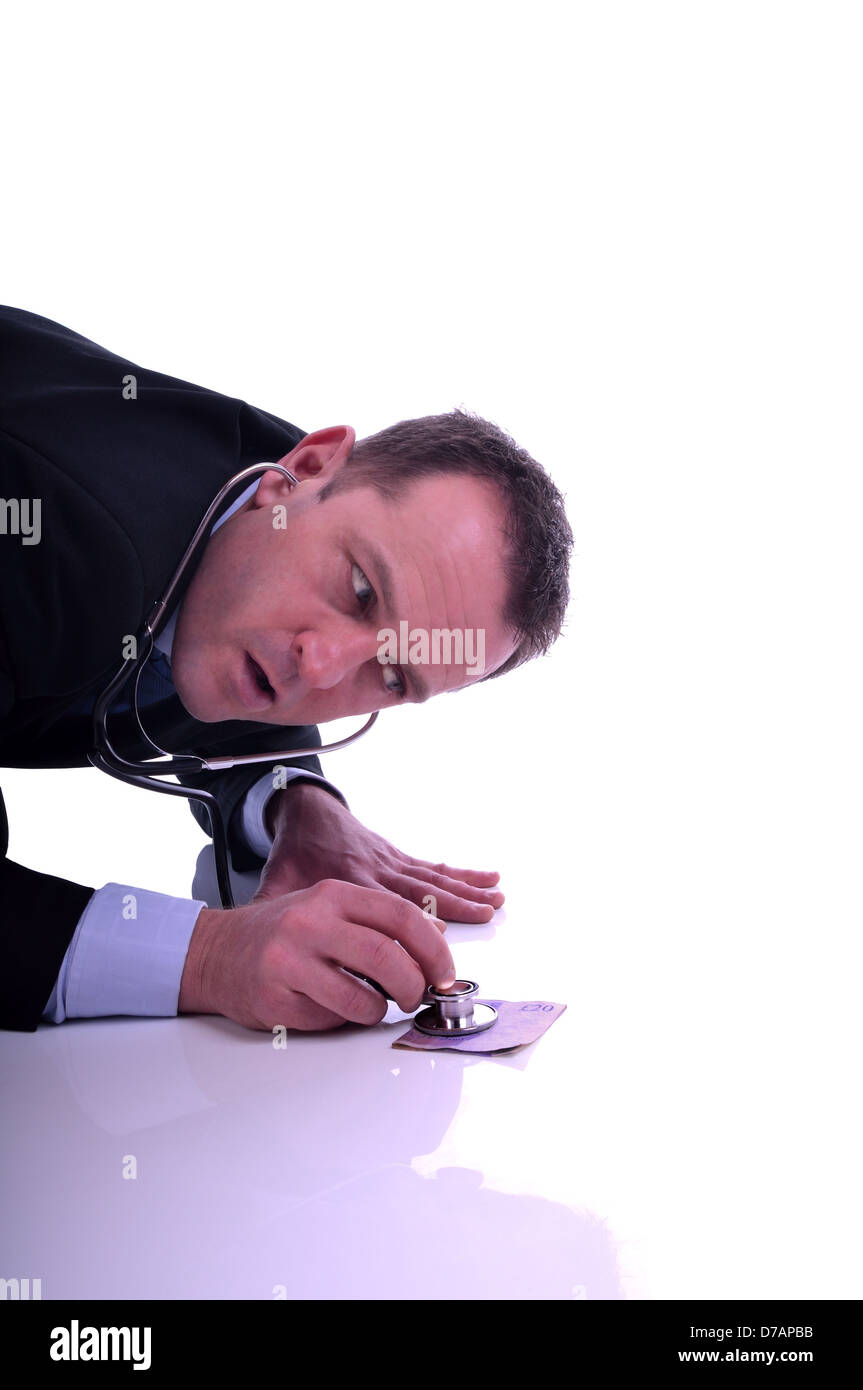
(261, 677)
(255, 687)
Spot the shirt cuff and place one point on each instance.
(126, 957)
(253, 823)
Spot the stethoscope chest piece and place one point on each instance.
(454, 1012)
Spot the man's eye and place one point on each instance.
(362, 588)
(394, 682)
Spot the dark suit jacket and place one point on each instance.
(123, 485)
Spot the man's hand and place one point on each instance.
(277, 963)
(316, 837)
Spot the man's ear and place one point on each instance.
(322, 453)
(318, 456)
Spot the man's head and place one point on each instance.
(440, 525)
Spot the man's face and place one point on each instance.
(280, 623)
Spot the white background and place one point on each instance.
(630, 234)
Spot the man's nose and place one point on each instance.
(325, 658)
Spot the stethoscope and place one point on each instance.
(452, 1012)
(147, 772)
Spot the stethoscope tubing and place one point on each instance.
(148, 772)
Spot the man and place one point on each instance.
(441, 524)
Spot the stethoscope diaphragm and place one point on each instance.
(454, 1012)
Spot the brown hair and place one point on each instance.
(537, 531)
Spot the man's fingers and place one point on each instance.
(298, 1012)
(310, 1017)
(449, 905)
(383, 960)
(397, 917)
(477, 878)
(459, 889)
(275, 882)
(332, 989)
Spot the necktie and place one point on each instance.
(155, 684)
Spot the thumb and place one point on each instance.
(265, 890)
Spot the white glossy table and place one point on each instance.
(605, 1161)
(688, 1129)
(336, 1167)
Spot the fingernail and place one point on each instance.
(441, 926)
(445, 984)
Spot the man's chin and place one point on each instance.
(203, 714)
(206, 709)
(212, 710)
(210, 707)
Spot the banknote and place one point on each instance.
(517, 1024)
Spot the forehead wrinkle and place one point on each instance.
(384, 574)
(443, 568)
(437, 569)
(443, 571)
(419, 679)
